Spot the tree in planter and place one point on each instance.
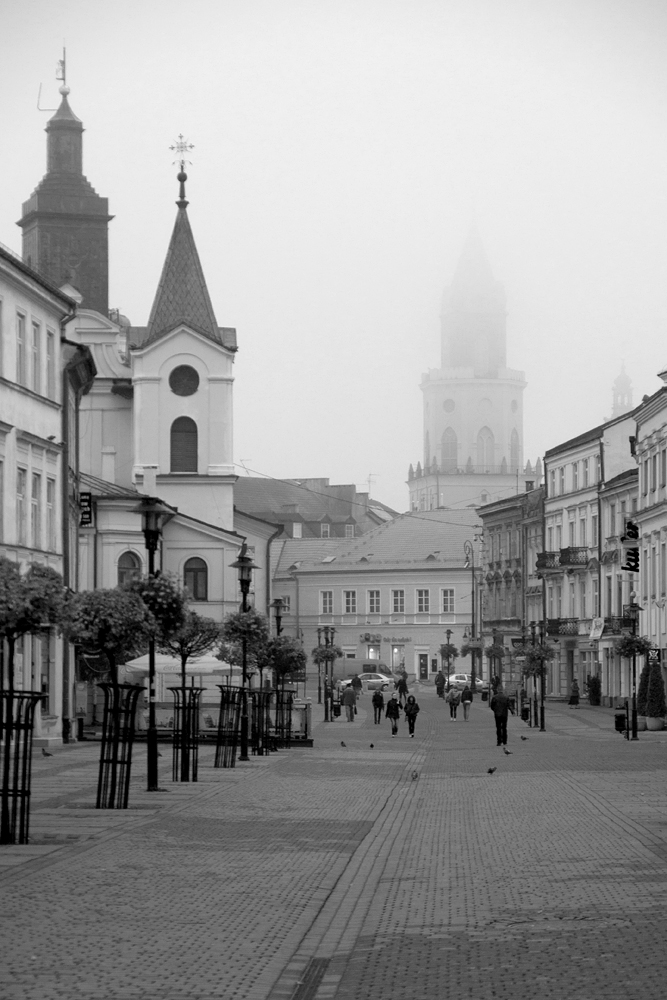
(642, 690)
(288, 657)
(448, 652)
(195, 636)
(164, 599)
(656, 708)
(29, 602)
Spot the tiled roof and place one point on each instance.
(281, 500)
(182, 296)
(420, 538)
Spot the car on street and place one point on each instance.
(461, 680)
(371, 682)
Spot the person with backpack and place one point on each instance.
(466, 701)
(454, 700)
(378, 705)
(411, 711)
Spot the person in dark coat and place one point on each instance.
(392, 711)
(357, 685)
(401, 686)
(574, 695)
(349, 699)
(378, 705)
(466, 701)
(500, 706)
(440, 684)
(411, 711)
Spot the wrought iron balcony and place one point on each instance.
(617, 625)
(575, 555)
(548, 560)
(562, 626)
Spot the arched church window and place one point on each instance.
(449, 450)
(184, 445)
(184, 380)
(195, 578)
(129, 568)
(514, 451)
(485, 448)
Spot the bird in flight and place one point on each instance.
(491, 770)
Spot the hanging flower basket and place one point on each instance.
(632, 645)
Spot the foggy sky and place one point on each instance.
(342, 150)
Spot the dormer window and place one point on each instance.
(325, 530)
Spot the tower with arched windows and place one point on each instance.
(473, 403)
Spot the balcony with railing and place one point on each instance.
(548, 560)
(576, 556)
(562, 626)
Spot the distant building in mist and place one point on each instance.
(621, 394)
(473, 403)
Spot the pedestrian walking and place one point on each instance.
(500, 706)
(401, 686)
(378, 705)
(349, 699)
(392, 712)
(411, 712)
(440, 684)
(454, 700)
(357, 686)
(574, 694)
(466, 702)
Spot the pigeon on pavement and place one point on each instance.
(415, 775)
(372, 745)
(506, 751)
(524, 738)
(491, 770)
(343, 744)
(45, 753)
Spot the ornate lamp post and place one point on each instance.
(245, 566)
(319, 670)
(154, 515)
(448, 633)
(329, 633)
(469, 552)
(277, 606)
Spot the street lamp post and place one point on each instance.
(153, 515)
(469, 552)
(245, 566)
(448, 633)
(319, 670)
(329, 633)
(277, 606)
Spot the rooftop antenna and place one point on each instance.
(371, 477)
(61, 74)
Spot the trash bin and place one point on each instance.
(525, 712)
(336, 711)
(619, 722)
(485, 695)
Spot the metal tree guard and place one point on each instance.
(17, 712)
(262, 741)
(283, 726)
(185, 759)
(229, 725)
(113, 784)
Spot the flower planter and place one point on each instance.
(641, 723)
(653, 723)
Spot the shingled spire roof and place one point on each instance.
(182, 296)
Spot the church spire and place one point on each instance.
(65, 221)
(182, 296)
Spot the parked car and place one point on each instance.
(462, 680)
(370, 682)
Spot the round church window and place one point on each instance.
(184, 381)
(448, 405)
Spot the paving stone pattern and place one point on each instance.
(351, 873)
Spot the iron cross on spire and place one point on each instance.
(181, 147)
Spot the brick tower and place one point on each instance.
(65, 222)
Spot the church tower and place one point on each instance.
(65, 222)
(473, 403)
(621, 394)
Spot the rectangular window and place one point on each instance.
(297, 528)
(575, 475)
(645, 478)
(559, 601)
(572, 528)
(582, 599)
(561, 480)
(423, 602)
(373, 600)
(550, 601)
(559, 537)
(663, 467)
(21, 501)
(654, 473)
(582, 532)
(326, 597)
(612, 519)
(398, 602)
(21, 359)
(447, 601)
(550, 539)
(50, 364)
(350, 602)
(349, 531)
(552, 483)
(36, 510)
(36, 357)
(596, 597)
(594, 530)
(325, 530)
(51, 515)
(573, 600)
(586, 472)
(610, 604)
(598, 469)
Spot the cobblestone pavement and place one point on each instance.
(353, 873)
